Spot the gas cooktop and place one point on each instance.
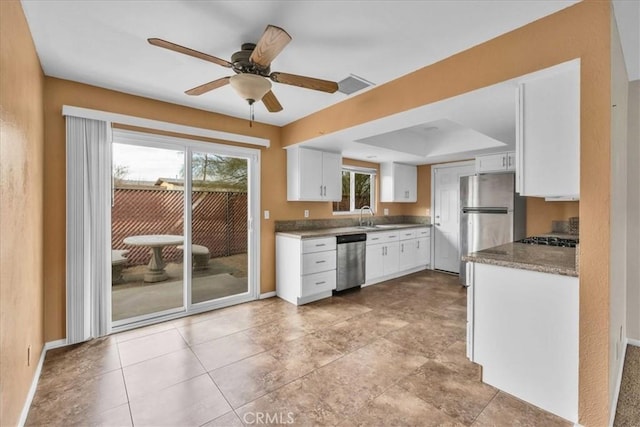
(569, 242)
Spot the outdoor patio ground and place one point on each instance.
(224, 276)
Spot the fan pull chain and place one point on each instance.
(252, 116)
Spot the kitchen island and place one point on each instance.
(522, 323)
(545, 259)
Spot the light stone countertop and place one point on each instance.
(341, 231)
(542, 258)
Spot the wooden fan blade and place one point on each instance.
(271, 102)
(199, 90)
(187, 51)
(305, 82)
(273, 40)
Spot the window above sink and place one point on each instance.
(358, 190)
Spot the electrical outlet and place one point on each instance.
(306, 213)
(386, 211)
(29, 356)
(266, 214)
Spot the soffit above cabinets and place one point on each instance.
(478, 122)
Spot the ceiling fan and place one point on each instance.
(252, 65)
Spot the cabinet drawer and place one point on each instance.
(423, 232)
(318, 245)
(407, 234)
(318, 282)
(382, 237)
(316, 262)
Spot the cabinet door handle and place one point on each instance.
(321, 191)
(320, 262)
(503, 161)
(418, 244)
(402, 247)
(320, 244)
(321, 283)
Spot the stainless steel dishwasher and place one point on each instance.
(351, 260)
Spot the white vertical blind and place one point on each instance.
(88, 229)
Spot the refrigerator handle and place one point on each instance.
(467, 210)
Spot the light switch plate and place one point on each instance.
(306, 213)
(266, 214)
(386, 211)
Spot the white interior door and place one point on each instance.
(446, 214)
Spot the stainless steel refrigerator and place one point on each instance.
(492, 214)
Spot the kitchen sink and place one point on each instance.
(380, 226)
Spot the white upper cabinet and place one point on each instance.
(398, 183)
(500, 162)
(313, 175)
(548, 133)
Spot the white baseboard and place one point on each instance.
(32, 389)
(268, 295)
(635, 343)
(55, 344)
(36, 377)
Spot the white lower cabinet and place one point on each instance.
(407, 254)
(523, 330)
(423, 252)
(381, 260)
(394, 254)
(305, 268)
(423, 247)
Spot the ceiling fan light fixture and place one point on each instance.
(250, 87)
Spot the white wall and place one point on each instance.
(633, 213)
(618, 263)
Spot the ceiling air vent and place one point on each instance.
(353, 84)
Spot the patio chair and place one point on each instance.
(200, 255)
(118, 261)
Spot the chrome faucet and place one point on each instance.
(369, 222)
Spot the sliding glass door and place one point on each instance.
(169, 260)
(147, 231)
(219, 212)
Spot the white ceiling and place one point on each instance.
(103, 43)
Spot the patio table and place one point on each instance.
(155, 268)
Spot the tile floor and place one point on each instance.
(389, 354)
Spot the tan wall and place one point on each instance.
(62, 92)
(580, 31)
(273, 180)
(21, 157)
(540, 214)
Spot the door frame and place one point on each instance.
(462, 165)
(189, 146)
